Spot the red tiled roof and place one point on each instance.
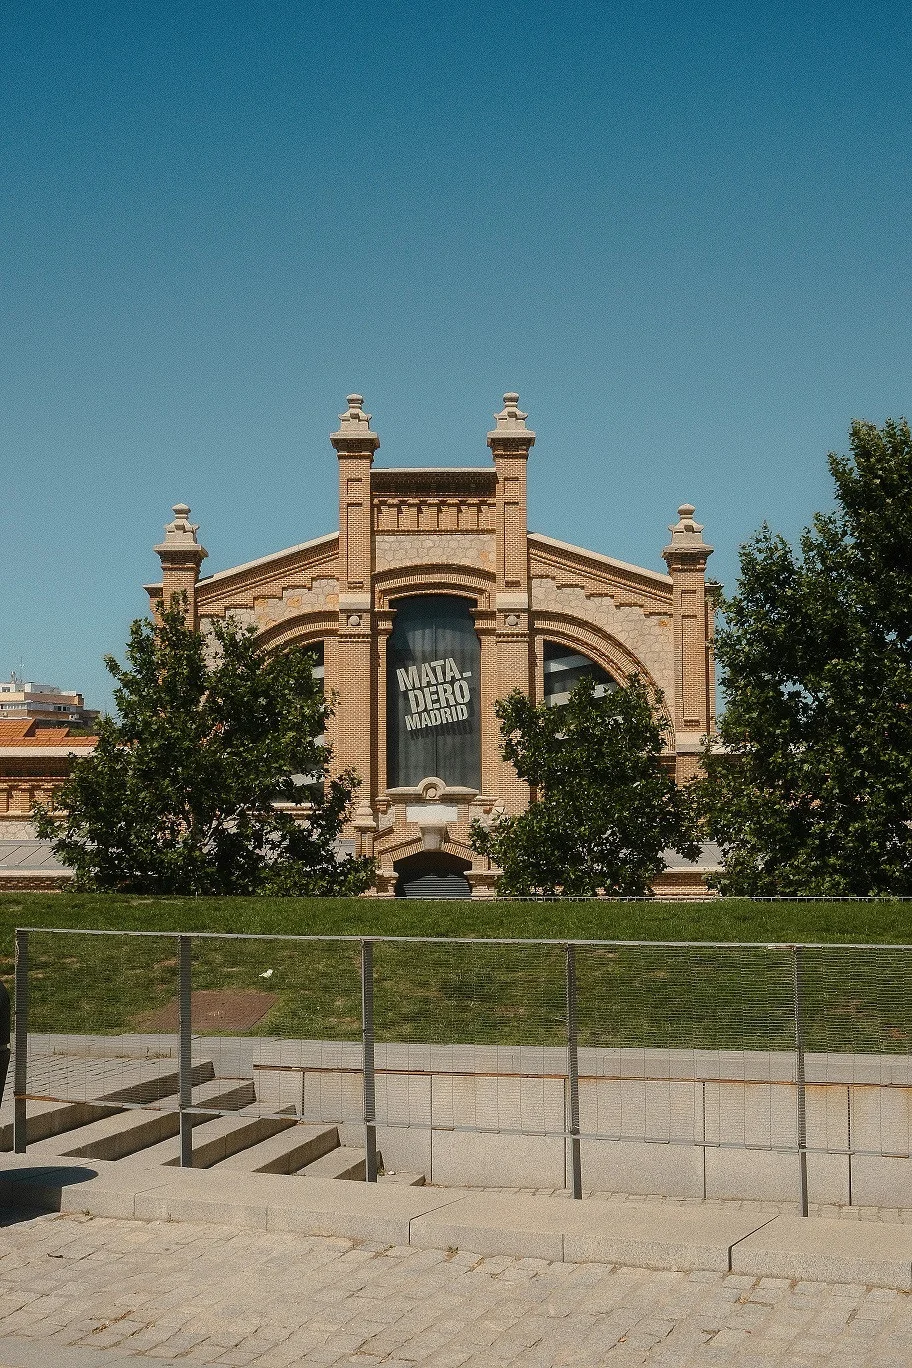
(23, 731)
(49, 738)
(11, 729)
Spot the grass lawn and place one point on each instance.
(650, 995)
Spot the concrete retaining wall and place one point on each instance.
(726, 1130)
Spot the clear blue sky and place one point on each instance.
(681, 232)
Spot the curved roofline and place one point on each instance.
(603, 560)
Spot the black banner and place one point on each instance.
(433, 674)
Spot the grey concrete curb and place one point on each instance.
(759, 1241)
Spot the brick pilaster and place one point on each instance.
(356, 721)
(692, 608)
(510, 443)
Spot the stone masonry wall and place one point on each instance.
(401, 549)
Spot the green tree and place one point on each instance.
(603, 807)
(814, 795)
(179, 794)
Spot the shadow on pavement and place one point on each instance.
(29, 1192)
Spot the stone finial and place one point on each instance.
(511, 418)
(511, 423)
(354, 426)
(180, 535)
(687, 535)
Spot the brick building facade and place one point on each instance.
(433, 600)
(35, 761)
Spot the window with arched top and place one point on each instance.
(433, 669)
(564, 667)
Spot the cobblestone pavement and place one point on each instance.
(199, 1294)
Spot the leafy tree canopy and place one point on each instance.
(179, 794)
(815, 794)
(603, 808)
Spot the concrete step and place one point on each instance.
(344, 1162)
(286, 1152)
(162, 1082)
(403, 1179)
(127, 1131)
(215, 1140)
(47, 1118)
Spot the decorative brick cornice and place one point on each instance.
(300, 630)
(405, 516)
(296, 568)
(603, 648)
(469, 482)
(434, 579)
(628, 585)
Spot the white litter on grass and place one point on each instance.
(267, 973)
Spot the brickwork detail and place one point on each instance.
(644, 638)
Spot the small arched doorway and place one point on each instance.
(432, 874)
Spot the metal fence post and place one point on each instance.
(20, 1058)
(185, 1052)
(573, 1120)
(367, 1035)
(801, 1112)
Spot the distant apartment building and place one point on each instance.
(44, 704)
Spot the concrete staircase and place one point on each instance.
(138, 1126)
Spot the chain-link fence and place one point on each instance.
(696, 1070)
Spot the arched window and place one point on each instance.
(565, 667)
(433, 668)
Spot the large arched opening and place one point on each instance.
(432, 874)
(433, 677)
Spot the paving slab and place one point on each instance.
(757, 1242)
(490, 1223)
(878, 1253)
(657, 1235)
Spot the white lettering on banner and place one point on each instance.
(408, 679)
(432, 699)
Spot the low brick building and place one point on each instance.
(431, 601)
(34, 761)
